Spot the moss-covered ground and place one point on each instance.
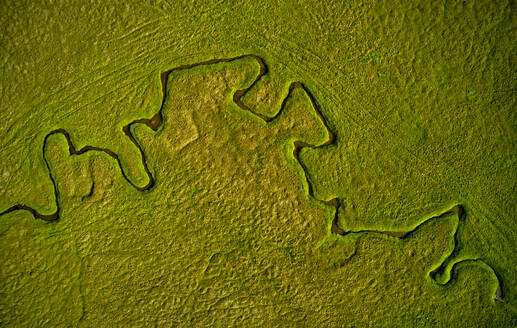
(258, 164)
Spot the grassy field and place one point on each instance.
(258, 164)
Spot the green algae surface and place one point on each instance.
(258, 164)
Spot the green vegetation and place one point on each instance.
(379, 190)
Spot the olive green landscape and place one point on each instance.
(258, 164)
